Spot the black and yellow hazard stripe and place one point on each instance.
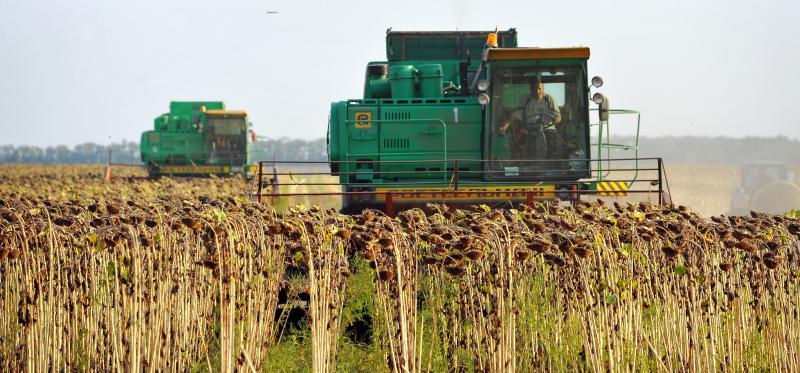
(612, 188)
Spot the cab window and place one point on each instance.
(538, 120)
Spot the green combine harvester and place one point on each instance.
(469, 117)
(197, 139)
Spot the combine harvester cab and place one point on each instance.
(197, 139)
(467, 118)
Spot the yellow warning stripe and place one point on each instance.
(194, 169)
(467, 193)
(601, 188)
(226, 113)
(612, 188)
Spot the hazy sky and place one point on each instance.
(77, 71)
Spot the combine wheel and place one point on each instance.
(776, 198)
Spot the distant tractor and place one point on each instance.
(770, 187)
(197, 138)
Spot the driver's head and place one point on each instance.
(537, 88)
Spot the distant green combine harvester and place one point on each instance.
(196, 139)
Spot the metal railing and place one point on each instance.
(603, 141)
(204, 159)
(495, 179)
(432, 121)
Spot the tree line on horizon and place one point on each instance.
(714, 150)
(128, 152)
(673, 149)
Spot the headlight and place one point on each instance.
(483, 99)
(483, 85)
(598, 98)
(597, 82)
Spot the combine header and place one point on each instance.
(469, 117)
(197, 138)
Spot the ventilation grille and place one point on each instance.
(396, 115)
(396, 143)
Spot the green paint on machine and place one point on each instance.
(197, 138)
(444, 106)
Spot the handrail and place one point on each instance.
(391, 121)
(608, 146)
(219, 159)
(522, 178)
(460, 160)
(442, 171)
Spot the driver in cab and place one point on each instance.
(535, 121)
